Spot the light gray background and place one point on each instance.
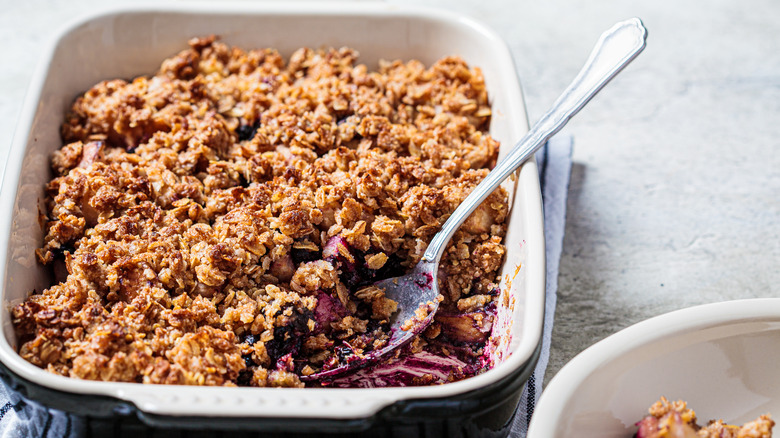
(674, 199)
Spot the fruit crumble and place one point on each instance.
(223, 222)
(674, 419)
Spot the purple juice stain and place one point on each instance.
(423, 368)
(425, 282)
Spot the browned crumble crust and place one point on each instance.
(674, 419)
(190, 209)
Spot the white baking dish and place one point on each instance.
(133, 40)
(720, 358)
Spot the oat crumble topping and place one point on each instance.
(223, 221)
(674, 419)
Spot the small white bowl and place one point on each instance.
(721, 358)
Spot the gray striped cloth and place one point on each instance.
(554, 162)
(25, 419)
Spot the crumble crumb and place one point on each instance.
(673, 419)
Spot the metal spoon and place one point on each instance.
(417, 292)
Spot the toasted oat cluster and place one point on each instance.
(674, 419)
(223, 221)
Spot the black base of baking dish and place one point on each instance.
(486, 412)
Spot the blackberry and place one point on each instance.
(304, 255)
(247, 132)
(60, 252)
(287, 340)
(391, 268)
(245, 378)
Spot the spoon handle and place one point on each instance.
(615, 49)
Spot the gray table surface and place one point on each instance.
(675, 193)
